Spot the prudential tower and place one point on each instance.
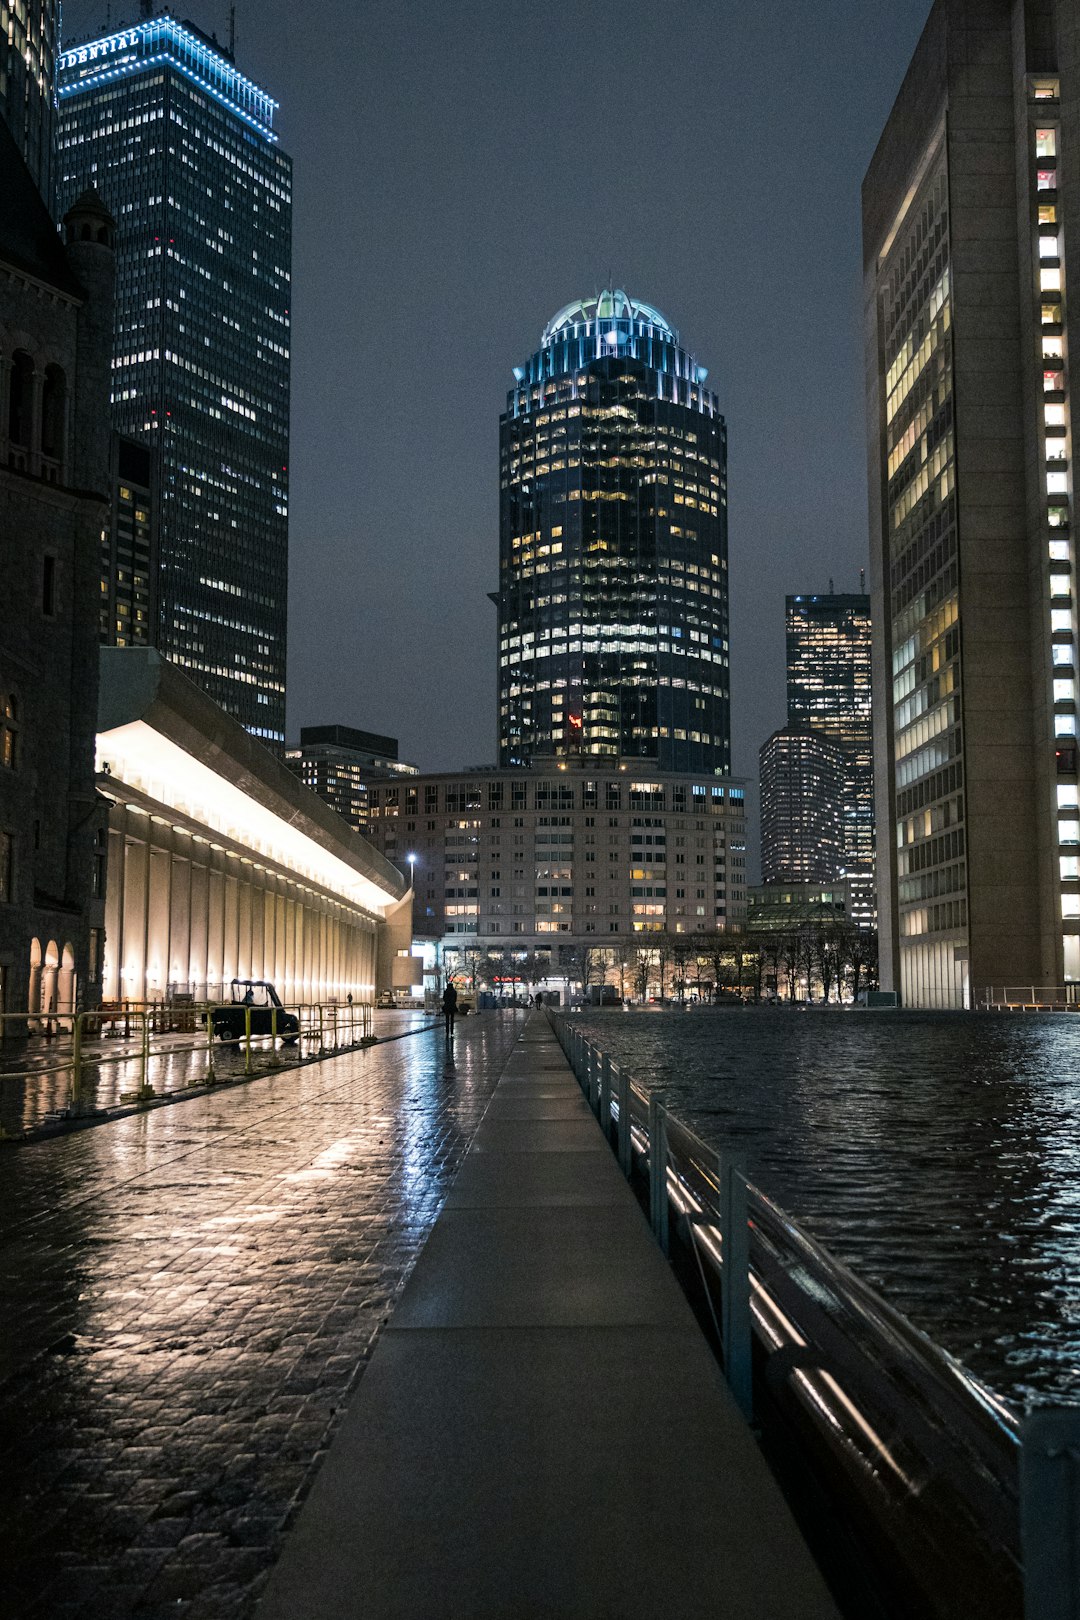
(613, 596)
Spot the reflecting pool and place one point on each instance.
(937, 1154)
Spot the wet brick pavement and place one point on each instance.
(187, 1298)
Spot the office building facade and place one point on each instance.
(182, 148)
(804, 780)
(828, 647)
(29, 41)
(338, 763)
(565, 854)
(129, 552)
(613, 596)
(971, 214)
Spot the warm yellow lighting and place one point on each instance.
(143, 758)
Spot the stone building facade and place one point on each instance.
(56, 312)
(565, 856)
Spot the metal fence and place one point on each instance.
(67, 1054)
(1030, 998)
(970, 1507)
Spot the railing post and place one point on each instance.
(625, 1138)
(658, 1194)
(1050, 1514)
(76, 1057)
(247, 1040)
(145, 1090)
(211, 1073)
(735, 1282)
(605, 1095)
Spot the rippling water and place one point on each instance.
(937, 1154)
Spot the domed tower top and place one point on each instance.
(88, 220)
(610, 325)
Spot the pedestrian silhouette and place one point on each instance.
(449, 1007)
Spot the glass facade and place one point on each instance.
(182, 150)
(923, 599)
(29, 37)
(804, 780)
(613, 594)
(829, 691)
(128, 550)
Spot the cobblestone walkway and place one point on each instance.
(186, 1298)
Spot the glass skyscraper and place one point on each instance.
(828, 691)
(182, 149)
(613, 594)
(29, 39)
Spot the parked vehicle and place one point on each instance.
(386, 999)
(258, 996)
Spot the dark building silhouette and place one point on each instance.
(971, 219)
(613, 596)
(29, 40)
(129, 552)
(56, 322)
(182, 148)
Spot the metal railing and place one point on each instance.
(1030, 997)
(970, 1507)
(72, 1050)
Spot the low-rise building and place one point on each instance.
(221, 864)
(565, 855)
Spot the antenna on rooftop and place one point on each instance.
(832, 587)
(232, 32)
(862, 581)
(146, 7)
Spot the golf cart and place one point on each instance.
(258, 997)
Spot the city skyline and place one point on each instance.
(401, 276)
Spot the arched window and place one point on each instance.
(53, 411)
(9, 731)
(21, 399)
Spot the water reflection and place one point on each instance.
(936, 1154)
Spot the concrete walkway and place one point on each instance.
(542, 1430)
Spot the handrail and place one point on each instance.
(967, 1500)
(322, 1027)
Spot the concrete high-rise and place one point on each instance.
(29, 40)
(971, 218)
(182, 148)
(613, 594)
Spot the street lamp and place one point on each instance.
(412, 870)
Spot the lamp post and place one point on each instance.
(412, 870)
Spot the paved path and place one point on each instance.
(186, 1299)
(542, 1433)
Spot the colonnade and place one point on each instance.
(185, 913)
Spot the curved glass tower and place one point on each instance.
(612, 599)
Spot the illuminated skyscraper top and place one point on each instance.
(181, 146)
(612, 591)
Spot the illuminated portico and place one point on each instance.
(220, 863)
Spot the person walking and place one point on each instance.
(449, 1007)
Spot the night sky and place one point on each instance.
(462, 171)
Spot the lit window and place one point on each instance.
(1069, 866)
(1048, 248)
(1064, 691)
(1046, 143)
(1050, 280)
